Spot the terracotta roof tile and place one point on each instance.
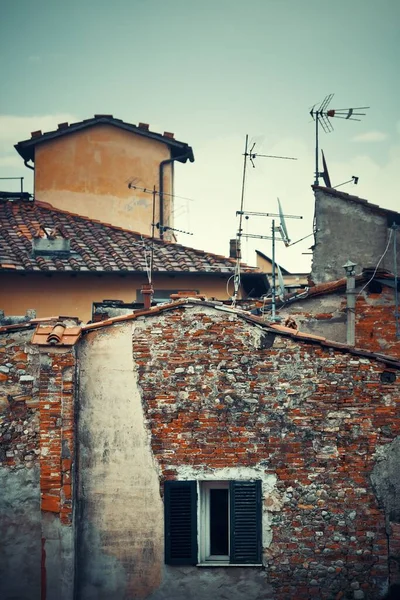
(56, 335)
(95, 246)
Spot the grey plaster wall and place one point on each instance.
(120, 523)
(229, 583)
(347, 230)
(20, 534)
(322, 315)
(385, 478)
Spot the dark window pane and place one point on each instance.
(219, 536)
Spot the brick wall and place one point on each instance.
(314, 417)
(375, 323)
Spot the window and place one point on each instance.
(212, 522)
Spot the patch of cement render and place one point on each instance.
(20, 534)
(385, 479)
(120, 539)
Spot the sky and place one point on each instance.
(212, 72)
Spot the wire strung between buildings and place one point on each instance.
(379, 262)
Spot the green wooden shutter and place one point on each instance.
(180, 504)
(245, 511)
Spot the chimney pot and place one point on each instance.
(234, 249)
(147, 292)
(168, 134)
(144, 126)
(37, 133)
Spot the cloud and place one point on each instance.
(370, 136)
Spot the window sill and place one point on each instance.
(226, 564)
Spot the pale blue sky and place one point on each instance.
(212, 71)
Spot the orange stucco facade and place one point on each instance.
(73, 295)
(88, 173)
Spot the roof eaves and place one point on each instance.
(26, 148)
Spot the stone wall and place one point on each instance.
(216, 397)
(20, 531)
(347, 229)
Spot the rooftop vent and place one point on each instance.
(44, 246)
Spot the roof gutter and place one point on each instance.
(29, 166)
(188, 155)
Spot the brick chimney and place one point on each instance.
(234, 248)
(147, 291)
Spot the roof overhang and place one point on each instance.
(180, 151)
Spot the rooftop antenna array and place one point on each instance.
(162, 228)
(322, 116)
(284, 237)
(249, 155)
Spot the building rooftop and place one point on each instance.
(26, 148)
(391, 215)
(36, 237)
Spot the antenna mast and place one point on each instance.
(251, 155)
(322, 117)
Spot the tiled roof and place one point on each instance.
(94, 246)
(273, 328)
(26, 148)
(390, 214)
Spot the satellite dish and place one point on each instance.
(281, 283)
(325, 172)
(282, 226)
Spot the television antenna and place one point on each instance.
(248, 155)
(322, 116)
(326, 177)
(281, 229)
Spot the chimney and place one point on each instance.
(234, 248)
(36, 134)
(63, 125)
(350, 269)
(144, 126)
(168, 134)
(147, 292)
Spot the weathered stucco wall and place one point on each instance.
(73, 295)
(88, 173)
(20, 527)
(120, 530)
(348, 230)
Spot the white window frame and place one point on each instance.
(203, 522)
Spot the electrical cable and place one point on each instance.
(379, 262)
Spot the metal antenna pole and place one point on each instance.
(396, 293)
(152, 234)
(273, 306)
(316, 181)
(236, 280)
